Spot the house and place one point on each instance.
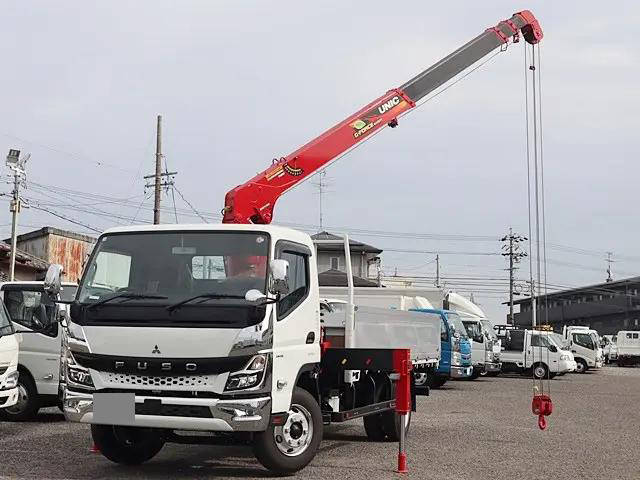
(606, 307)
(332, 257)
(53, 245)
(27, 267)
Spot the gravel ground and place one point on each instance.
(473, 430)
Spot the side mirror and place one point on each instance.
(279, 277)
(553, 348)
(53, 280)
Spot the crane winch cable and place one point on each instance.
(541, 403)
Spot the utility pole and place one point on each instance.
(160, 178)
(438, 270)
(16, 165)
(609, 262)
(511, 248)
(156, 199)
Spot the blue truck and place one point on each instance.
(455, 349)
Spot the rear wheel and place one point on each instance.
(28, 404)
(127, 445)
(290, 447)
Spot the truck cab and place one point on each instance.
(485, 346)
(455, 348)
(34, 312)
(585, 346)
(9, 345)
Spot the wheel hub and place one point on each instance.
(21, 404)
(295, 435)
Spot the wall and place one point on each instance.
(68, 252)
(358, 262)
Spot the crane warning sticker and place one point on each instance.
(281, 169)
(374, 116)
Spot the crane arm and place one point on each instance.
(254, 201)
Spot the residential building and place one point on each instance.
(27, 266)
(54, 245)
(606, 307)
(332, 257)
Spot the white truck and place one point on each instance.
(628, 343)
(585, 346)
(532, 351)
(215, 329)
(485, 347)
(9, 346)
(566, 348)
(30, 309)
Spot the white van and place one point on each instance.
(32, 310)
(628, 344)
(9, 341)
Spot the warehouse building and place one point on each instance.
(606, 307)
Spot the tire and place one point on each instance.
(540, 371)
(127, 445)
(493, 374)
(581, 366)
(436, 381)
(282, 456)
(475, 373)
(28, 402)
(391, 425)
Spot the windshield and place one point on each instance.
(473, 328)
(5, 324)
(488, 330)
(176, 265)
(68, 292)
(456, 324)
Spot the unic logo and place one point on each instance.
(388, 105)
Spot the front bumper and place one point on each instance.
(461, 372)
(491, 367)
(9, 397)
(226, 415)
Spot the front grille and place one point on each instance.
(122, 379)
(152, 408)
(466, 356)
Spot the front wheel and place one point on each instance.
(290, 447)
(127, 445)
(28, 403)
(581, 366)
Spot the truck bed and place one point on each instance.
(386, 328)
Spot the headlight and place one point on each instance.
(77, 375)
(250, 376)
(12, 380)
(564, 357)
(456, 358)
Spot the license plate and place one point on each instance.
(114, 408)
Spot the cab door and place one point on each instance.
(583, 347)
(30, 308)
(444, 368)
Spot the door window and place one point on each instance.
(583, 340)
(298, 282)
(539, 341)
(444, 331)
(30, 308)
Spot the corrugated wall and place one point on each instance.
(69, 253)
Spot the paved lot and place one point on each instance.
(471, 430)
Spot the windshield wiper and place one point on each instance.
(127, 297)
(205, 296)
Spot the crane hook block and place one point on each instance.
(542, 406)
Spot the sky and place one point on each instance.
(239, 83)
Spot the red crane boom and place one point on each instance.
(253, 201)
